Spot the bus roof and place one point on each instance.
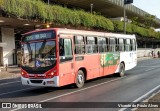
(83, 32)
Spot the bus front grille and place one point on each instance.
(36, 81)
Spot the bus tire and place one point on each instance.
(121, 70)
(80, 79)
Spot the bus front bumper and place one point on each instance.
(51, 82)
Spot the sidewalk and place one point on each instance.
(143, 58)
(12, 72)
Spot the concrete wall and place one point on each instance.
(9, 38)
(146, 52)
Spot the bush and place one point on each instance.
(118, 26)
(135, 29)
(36, 9)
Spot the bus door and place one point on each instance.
(66, 61)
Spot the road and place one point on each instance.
(141, 80)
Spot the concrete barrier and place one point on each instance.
(147, 52)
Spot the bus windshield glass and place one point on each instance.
(38, 57)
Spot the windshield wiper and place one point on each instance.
(42, 47)
(29, 48)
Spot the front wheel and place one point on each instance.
(121, 70)
(80, 79)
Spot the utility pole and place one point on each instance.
(48, 2)
(124, 17)
(91, 8)
(124, 6)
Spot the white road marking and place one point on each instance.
(149, 69)
(9, 83)
(74, 92)
(142, 97)
(15, 91)
(150, 66)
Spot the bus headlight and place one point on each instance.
(52, 73)
(24, 74)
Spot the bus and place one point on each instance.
(56, 57)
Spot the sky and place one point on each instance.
(150, 6)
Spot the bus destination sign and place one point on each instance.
(39, 36)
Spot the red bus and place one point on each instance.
(56, 57)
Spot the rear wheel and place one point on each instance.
(121, 70)
(80, 79)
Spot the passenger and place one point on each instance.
(152, 53)
(158, 53)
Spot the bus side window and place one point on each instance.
(91, 46)
(127, 45)
(133, 44)
(112, 43)
(66, 54)
(121, 44)
(102, 46)
(79, 45)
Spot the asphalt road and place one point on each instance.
(134, 86)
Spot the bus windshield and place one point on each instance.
(38, 56)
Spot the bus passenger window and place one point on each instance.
(91, 46)
(65, 50)
(79, 45)
(133, 44)
(102, 44)
(112, 44)
(121, 44)
(127, 45)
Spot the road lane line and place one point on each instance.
(9, 83)
(80, 90)
(149, 69)
(143, 97)
(74, 92)
(150, 66)
(15, 91)
(148, 93)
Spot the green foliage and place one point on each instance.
(149, 20)
(37, 10)
(118, 26)
(131, 28)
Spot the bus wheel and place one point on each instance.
(121, 70)
(80, 79)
